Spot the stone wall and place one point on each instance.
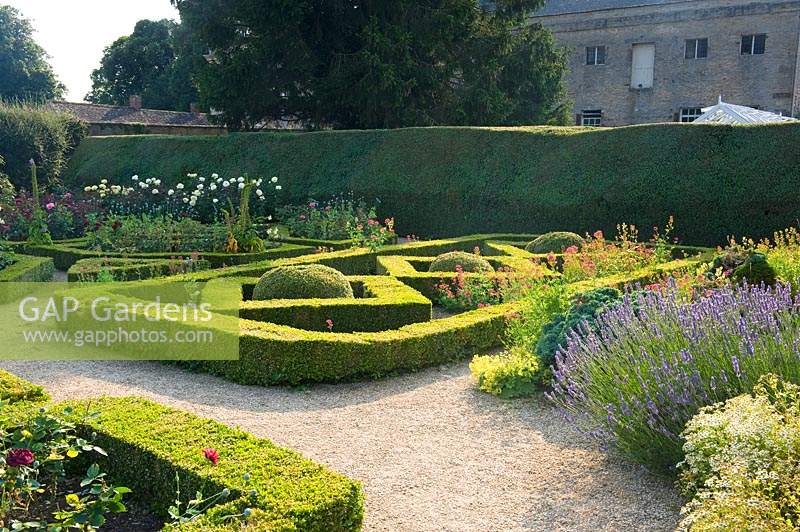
(765, 81)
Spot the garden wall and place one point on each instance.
(716, 180)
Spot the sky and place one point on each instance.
(75, 32)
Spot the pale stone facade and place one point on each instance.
(689, 52)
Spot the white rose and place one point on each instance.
(87, 189)
(104, 181)
(278, 187)
(240, 180)
(170, 192)
(94, 187)
(259, 192)
(214, 175)
(202, 179)
(142, 184)
(215, 200)
(213, 186)
(269, 217)
(135, 178)
(200, 186)
(186, 200)
(157, 181)
(241, 186)
(225, 184)
(192, 176)
(155, 191)
(274, 179)
(179, 186)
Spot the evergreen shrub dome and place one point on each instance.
(302, 282)
(555, 242)
(469, 262)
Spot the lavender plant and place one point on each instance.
(656, 359)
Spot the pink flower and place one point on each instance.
(312, 205)
(329, 324)
(598, 235)
(571, 249)
(50, 206)
(302, 216)
(19, 457)
(211, 455)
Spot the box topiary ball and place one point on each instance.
(469, 262)
(301, 282)
(555, 242)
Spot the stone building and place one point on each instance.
(642, 61)
(136, 120)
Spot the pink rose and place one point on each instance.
(19, 457)
(211, 455)
(50, 206)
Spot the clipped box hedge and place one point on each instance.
(16, 390)
(148, 444)
(382, 303)
(28, 269)
(127, 269)
(67, 253)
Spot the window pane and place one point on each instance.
(759, 43)
(747, 44)
(702, 48)
(690, 46)
(601, 55)
(590, 55)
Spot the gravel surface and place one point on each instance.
(432, 452)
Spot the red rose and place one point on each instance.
(19, 457)
(211, 455)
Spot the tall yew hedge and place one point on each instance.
(716, 180)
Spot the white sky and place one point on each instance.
(74, 32)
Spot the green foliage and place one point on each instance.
(741, 467)
(151, 234)
(378, 66)
(24, 71)
(583, 308)
(454, 260)
(755, 270)
(568, 177)
(13, 389)
(28, 269)
(330, 220)
(554, 242)
(154, 62)
(302, 282)
(38, 232)
(125, 269)
(511, 374)
(30, 132)
(149, 444)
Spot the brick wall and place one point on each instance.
(766, 81)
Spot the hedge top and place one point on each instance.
(716, 180)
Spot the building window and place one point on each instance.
(696, 48)
(595, 55)
(642, 67)
(591, 117)
(690, 114)
(754, 44)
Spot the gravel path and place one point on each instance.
(433, 453)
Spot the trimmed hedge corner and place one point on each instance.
(16, 390)
(128, 269)
(148, 444)
(28, 269)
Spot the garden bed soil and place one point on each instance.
(137, 518)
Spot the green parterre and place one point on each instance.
(388, 326)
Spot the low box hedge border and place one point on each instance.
(124, 269)
(148, 444)
(28, 269)
(66, 254)
(383, 303)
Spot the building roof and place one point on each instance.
(728, 113)
(562, 7)
(112, 114)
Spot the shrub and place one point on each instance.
(508, 375)
(755, 270)
(655, 360)
(468, 262)
(741, 467)
(13, 389)
(302, 282)
(555, 242)
(330, 220)
(583, 311)
(33, 132)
